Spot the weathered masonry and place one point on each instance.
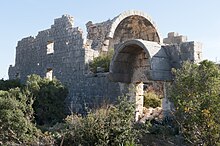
(140, 56)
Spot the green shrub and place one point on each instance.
(112, 125)
(151, 99)
(9, 84)
(16, 115)
(102, 61)
(195, 94)
(41, 98)
(49, 104)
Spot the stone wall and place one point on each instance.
(67, 62)
(174, 38)
(66, 58)
(98, 34)
(179, 50)
(140, 56)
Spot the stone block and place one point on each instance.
(172, 34)
(159, 63)
(100, 69)
(160, 75)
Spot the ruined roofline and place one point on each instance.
(130, 24)
(176, 38)
(110, 26)
(65, 20)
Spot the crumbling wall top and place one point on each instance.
(174, 38)
(66, 21)
(126, 26)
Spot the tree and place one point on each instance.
(49, 103)
(40, 100)
(9, 84)
(195, 93)
(16, 115)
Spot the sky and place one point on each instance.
(199, 20)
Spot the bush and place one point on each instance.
(9, 84)
(112, 125)
(102, 61)
(49, 103)
(16, 115)
(151, 99)
(195, 94)
(40, 97)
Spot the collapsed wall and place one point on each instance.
(139, 56)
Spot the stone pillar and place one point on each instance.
(136, 94)
(165, 101)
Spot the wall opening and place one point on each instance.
(49, 73)
(17, 75)
(50, 47)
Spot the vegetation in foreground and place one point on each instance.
(195, 120)
(195, 93)
(25, 109)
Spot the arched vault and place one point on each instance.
(139, 61)
(133, 25)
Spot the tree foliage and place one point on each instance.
(39, 100)
(9, 84)
(16, 117)
(49, 102)
(196, 96)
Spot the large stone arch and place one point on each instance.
(132, 64)
(133, 25)
(132, 61)
(138, 56)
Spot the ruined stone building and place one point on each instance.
(140, 55)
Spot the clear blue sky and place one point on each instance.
(198, 19)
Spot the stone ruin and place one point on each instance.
(141, 56)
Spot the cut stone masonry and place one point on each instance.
(140, 56)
